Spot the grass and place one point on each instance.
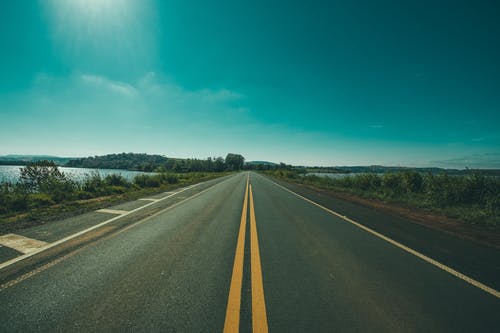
(22, 206)
(473, 199)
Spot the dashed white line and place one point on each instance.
(63, 240)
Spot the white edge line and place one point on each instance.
(431, 261)
(60, 259)
(167, 208)
(63, 240)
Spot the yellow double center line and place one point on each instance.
(259, 317)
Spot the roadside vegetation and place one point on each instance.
(473, 198)
(44, 191)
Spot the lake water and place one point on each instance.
(330, 175)
(11, 173)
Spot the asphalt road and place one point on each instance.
(246, 254)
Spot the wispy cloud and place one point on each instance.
(150, 83)
(376, 126)
(148, 93)
(93, 113)
(102, 82)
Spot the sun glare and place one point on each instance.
(96, 8)
(102, 34)
(92, 11)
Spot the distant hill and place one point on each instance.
(24, 159)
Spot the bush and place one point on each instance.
(5, 197)
(116, 180)
(147, 181)
(59, 189)
(116, 189)
(35, 174)
(412, 182)
(493, 205)
(366, 182)
(172, 178)
(93, 184)
(80, 194)
(472, 197)
(37, 200)
(392, 184)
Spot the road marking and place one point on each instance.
(63, 240)
(112, 211)
(36, 271)
(69, 255)
(232, 322)
(168, 208)
(148, 199)
(431, 261)
(259, 317)
(21, 243)
(40, 269)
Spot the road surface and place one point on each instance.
(242, 253)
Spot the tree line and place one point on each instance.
(159, 163)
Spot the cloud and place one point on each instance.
(150, 83)
(118, 87)
(149, 89)
(150, 100)
(84, 112)
(376, 126)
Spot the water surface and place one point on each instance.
(11, 173)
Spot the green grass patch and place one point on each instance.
(472, 198)
(28, 203)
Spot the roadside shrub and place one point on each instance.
(116, 189)
(442, 190)
(5, 197)
(172, 178)
(392, 184)
(37, 200)
(412, 182)
(80, 194)
(140, 180)
(366, 182)
(59, 189)
(473, 188)
(147, 181)
(473, 197)
(19, 202)
(116, 180)
(93, 183)
(312, 179)
(35, 174)
(493, 205)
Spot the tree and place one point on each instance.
(34, 175)
(234, 161)
(219, 164)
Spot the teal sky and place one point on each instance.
(413, 83)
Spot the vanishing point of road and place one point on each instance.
(245, 253)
